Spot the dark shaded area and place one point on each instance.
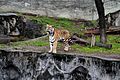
(80, 73)
(12, 71)
(34, 30)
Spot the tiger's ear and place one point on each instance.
(48, 25)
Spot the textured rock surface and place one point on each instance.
(59, 8)
(113, 19)
(21, 65)
(14, 25)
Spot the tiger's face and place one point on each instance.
(49, 29)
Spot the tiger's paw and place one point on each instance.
(50, 51)
(66, 49)
(54, 52)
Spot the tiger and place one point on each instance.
(55, 35)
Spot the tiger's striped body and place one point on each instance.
(55, 35)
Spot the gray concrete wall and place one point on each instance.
(59, 8)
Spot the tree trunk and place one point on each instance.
(101, 14)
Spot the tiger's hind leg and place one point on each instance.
(55, 47)
(66, 45)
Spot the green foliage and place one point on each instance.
(2, 46)
(58, 23)
(94, 22)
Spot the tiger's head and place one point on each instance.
(49, 29)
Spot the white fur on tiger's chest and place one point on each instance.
(51, 38)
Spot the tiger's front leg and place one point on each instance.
(55, 47)
(51, 47)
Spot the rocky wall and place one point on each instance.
(73, 9)
(27, 65)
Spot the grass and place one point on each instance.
(2, 46)
(36, 42)
(29, 43)
(112, 39)
(76, 47)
